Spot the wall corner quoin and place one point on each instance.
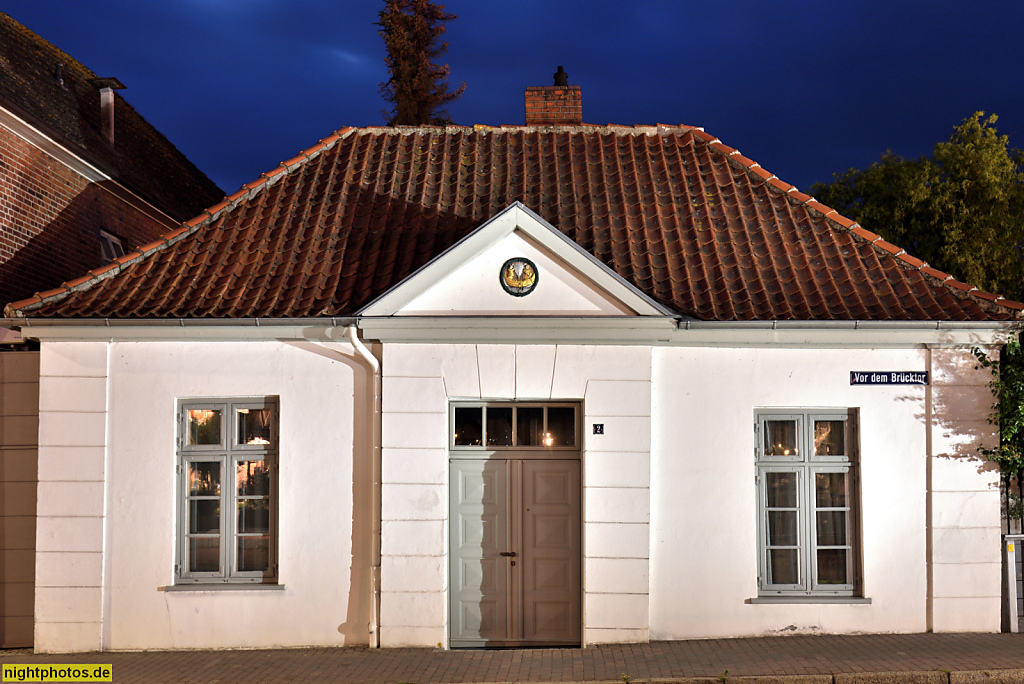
(68, 637)
(70, 512)
(73, 359)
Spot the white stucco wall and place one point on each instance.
(71, 496)
(323, 511)
(613, 384)
(965, 523)
(670, 507)
(704, 505)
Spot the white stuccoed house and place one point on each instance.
(540, 385)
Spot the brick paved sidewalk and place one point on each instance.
(936, 654)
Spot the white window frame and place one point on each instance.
(227, 453)
(111, 246)
(807, 465)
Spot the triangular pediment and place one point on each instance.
(483, 275)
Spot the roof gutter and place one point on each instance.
(842, 334)
(213, 329)
(332, 322)
(682, 324)
(630, 330)
(696, 325)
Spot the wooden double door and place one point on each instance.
(515, 552)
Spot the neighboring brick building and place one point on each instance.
(82, 177)
(76, 160)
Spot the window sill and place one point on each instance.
(222, 587)
(808, 599)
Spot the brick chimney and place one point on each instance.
(557, 105)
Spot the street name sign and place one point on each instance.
(888, 377)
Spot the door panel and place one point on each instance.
(551, 551)
(530, 507)
(479, 533)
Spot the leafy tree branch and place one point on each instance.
(1007, 385)
(961, 209)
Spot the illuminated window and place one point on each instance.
(500, 425)
(807, 495)
(227, 479)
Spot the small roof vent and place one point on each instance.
(107, 86)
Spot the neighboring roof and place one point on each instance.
(693, 224)
(142, 159)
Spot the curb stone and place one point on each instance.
(987, 676)
(935, 677)
(931, 677)
(746, 679)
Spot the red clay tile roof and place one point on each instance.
(690, 222)
(142, 160)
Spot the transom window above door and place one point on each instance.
(487, 426)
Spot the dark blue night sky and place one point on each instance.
(804, 88)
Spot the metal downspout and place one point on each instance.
(375, 493)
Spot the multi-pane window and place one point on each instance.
(227, 480)
(806, 467)
(515, 425)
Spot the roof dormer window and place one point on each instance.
(111, 246)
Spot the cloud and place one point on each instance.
(348, 57)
